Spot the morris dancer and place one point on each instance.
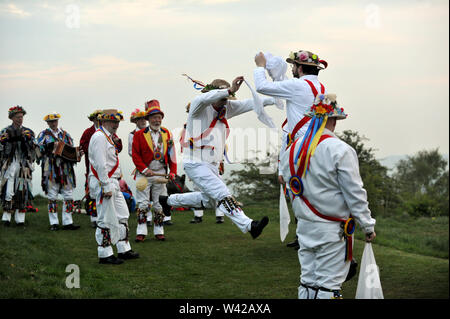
(91, 208)
(153, 153)
(17, 155)
(327, 196)
(104, 175)
(198, 213)
(58, 175)
(206, 131)
(298, 92)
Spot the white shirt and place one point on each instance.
(103, 157)
(297, 93)
(201, 114)
(130, 142)
(332, 184)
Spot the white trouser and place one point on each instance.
(18, 217)
(212, 189)
(119, 206)
(322, 258)
(67, 192)
(143, 202)
(199, 212)
(10, 175)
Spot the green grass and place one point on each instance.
(208, 260)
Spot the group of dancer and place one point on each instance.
(320, 172)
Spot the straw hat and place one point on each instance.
(136, 115)
(326, 105)
(94, 115)
(110, 115)
(218, 84)
(306, 58)
(52, 117)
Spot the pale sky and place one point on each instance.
(388, 60)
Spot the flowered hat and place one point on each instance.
(152, 107)
(217, 84)
(326, 105)
(14, 110)
(306, 58)
(110, 115)
(52, 117)
(136, 115)
(94, 115)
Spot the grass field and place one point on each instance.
(210, 261)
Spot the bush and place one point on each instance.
(423, 205)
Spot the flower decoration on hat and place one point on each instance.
(303, 57)
(137, 114)
(326, 105)
(16, 109)
(52, 117)
(110, 115)
(94, 115)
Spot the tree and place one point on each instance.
(250, 184)
(422, 180)
(380, 188)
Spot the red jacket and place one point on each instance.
(142, 150)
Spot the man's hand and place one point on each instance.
(107, 195)
(171, 176)
(236, 84)
(281, 180)
(370, 237)
(260, 60)
(149, 173)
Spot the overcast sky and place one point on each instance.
(388, 60)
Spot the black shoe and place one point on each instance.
(54, 227)
(168, 223)
(258, 226)
(196, 220)
(219, 220)
(112, 260)
(166, 207)
(20, 224)
(6, 223)
(71, 227)
(128, 255)
(293, 243)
